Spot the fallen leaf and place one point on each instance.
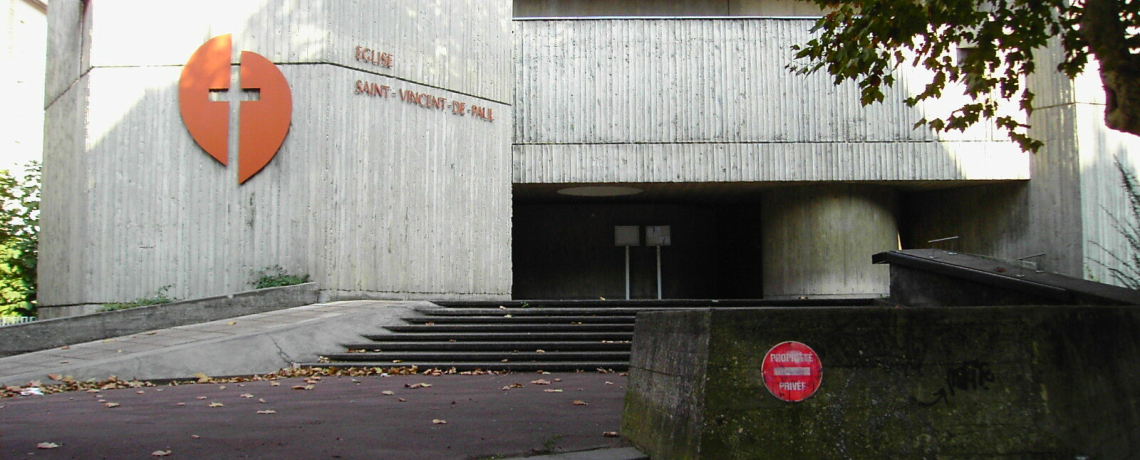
(303, 387)
(439, 422)
(553, 390)
(540, 382)
(267, 412)
(160, 453)
(110, 405)
(387, 392)
(417, 385)
(274, 384)
(202, 378)
(261, 400)
(610, 434)
(245, 395)
(152, 333)
(201, 398)
(402, 400)
(540, 351)
(218, 404)
(231, 323)
(55, 377)
(580, 403)
(181, 404)
(194, 436)
(47, 445)
(221, 387)
(140, 392)
(557, 380)
(65, 347)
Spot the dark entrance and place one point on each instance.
(564, 248)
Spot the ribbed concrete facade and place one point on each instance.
(775, 184)
(373, 196)
(710, 100)
(689, 103)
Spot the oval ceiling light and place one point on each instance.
(600, 191)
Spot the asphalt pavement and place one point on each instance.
(336, 417)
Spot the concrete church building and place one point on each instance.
(484, 149)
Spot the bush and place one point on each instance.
(19, 240)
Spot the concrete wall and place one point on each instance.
(988, 219)
(710, 100)
(23, 44)
(372, 196)
(964, 382)
(818, 240)
(1068, 210)
(571, 8)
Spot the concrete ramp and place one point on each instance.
(252, 344)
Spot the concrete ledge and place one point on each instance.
(935, 382)
(932, 277)
(51, 333)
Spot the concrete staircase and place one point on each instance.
(564, 335)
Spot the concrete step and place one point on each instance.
(529, 355)
(462, 328)
(568, 366)
(520, 319)
(501, 337)
(655, 303)
(488, 346)
(519, 312)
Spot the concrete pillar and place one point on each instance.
(818, 240)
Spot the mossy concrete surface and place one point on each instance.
(966, 382)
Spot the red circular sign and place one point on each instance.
(792, 371)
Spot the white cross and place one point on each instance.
(233, 95)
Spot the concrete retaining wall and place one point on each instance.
(964, 382)
(41, 335)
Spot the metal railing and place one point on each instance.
(14, 320)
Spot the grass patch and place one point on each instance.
(276, 276)
(158, 298)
